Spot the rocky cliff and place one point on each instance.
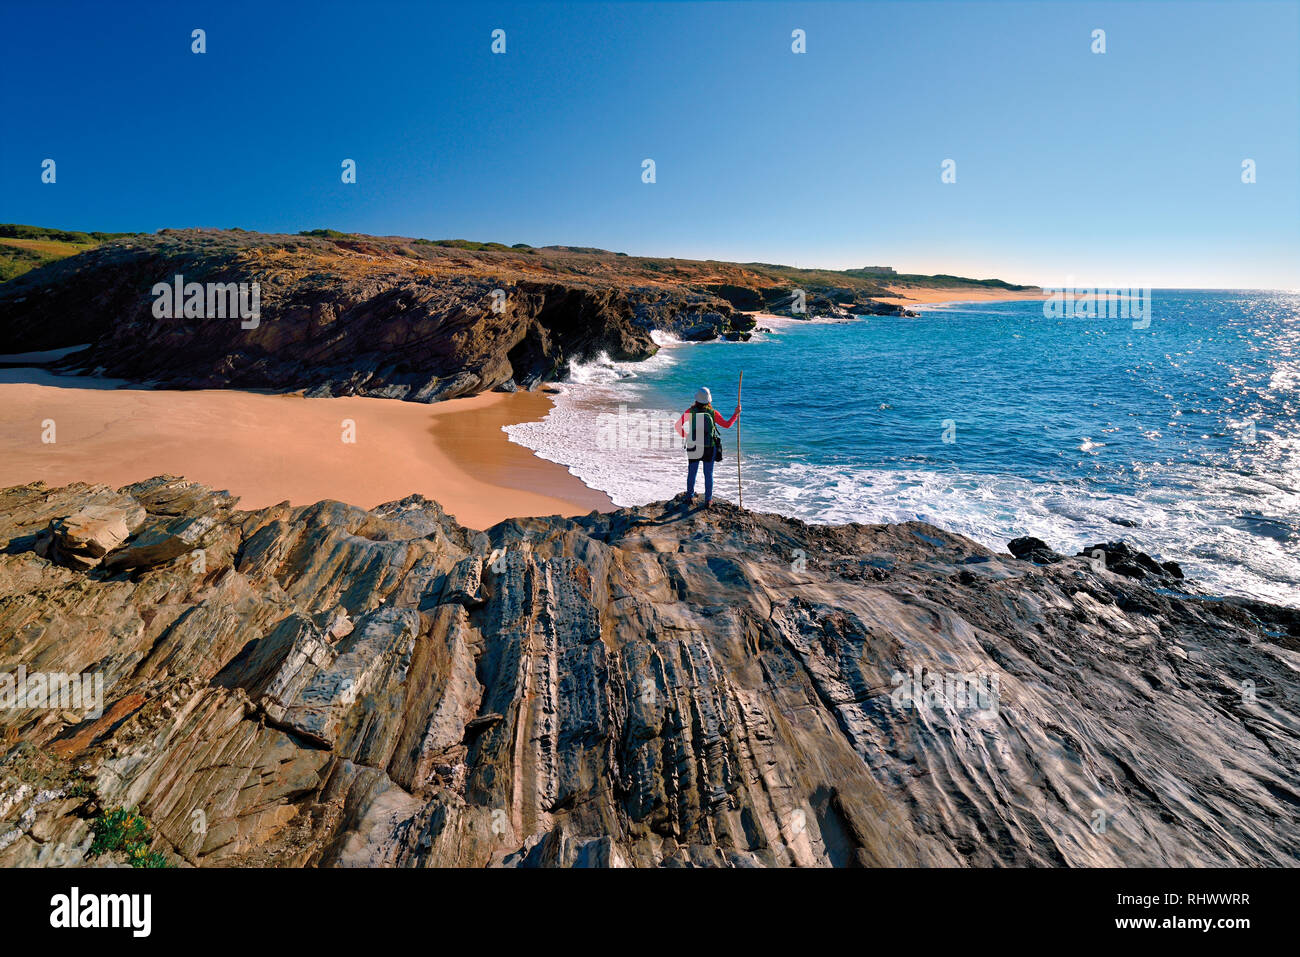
(385, 316)
(655, 686)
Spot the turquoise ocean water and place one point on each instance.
(991, 420)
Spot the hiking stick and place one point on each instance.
(740, 488)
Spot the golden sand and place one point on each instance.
(272, 448)
(923, 296)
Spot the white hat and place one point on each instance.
(704, 396)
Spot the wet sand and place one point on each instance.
(273, 448)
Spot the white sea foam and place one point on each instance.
(1189, 514)
(604, 371)
(568, 433)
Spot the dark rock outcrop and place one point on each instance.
(829, 303)
(1123, 559)
(1034, 550)
(701, 332)
(740, 297)
(328, 685)
(735, 328)
(870, 307)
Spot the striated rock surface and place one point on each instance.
(332, 686)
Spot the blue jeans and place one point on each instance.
(692, 470)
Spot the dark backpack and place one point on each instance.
(712, 450)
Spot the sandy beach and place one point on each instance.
(272, 448)
(926, 296)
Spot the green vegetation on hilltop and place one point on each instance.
(327, 234)
(461, 244)
(23, 248)
(18, 231)
(941, 281)
(823, 278)
(469, 244)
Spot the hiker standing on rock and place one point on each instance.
(703, 441)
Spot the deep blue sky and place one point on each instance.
(1122, 168)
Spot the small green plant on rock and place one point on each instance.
(123, 829)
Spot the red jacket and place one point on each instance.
(717, 417)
